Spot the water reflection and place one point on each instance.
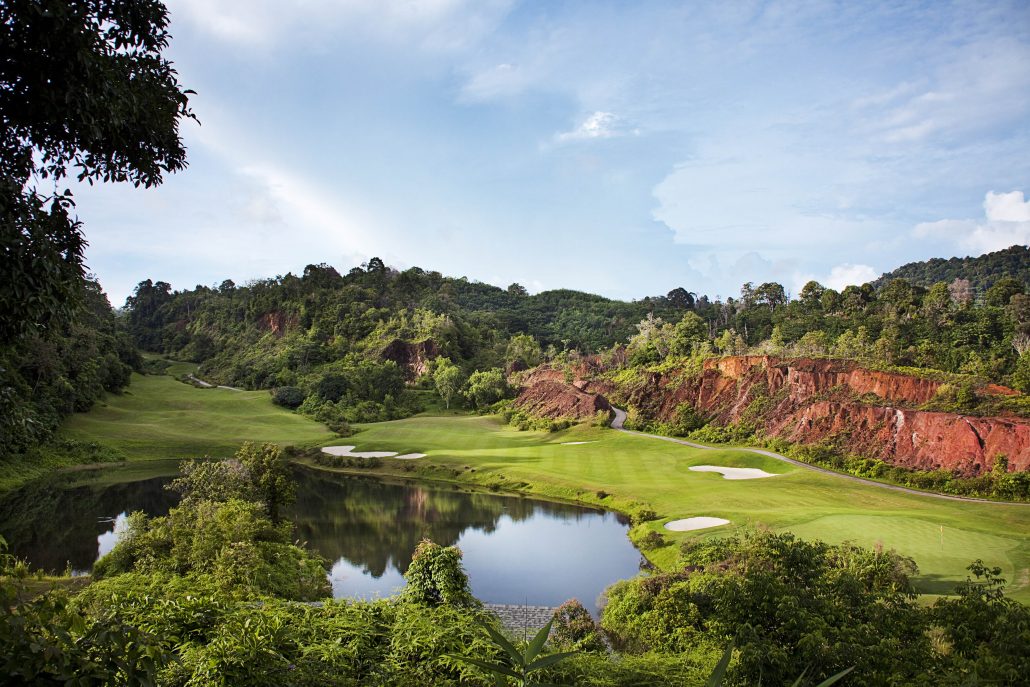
(516, 550)
(55, 526)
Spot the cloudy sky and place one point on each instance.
(622, 148)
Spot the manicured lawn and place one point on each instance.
(161, 417)
(942, 536)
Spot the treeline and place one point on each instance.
(49, 373)
(942, 327)
(981, 272)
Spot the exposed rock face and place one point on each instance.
(413, 358)
(545, 393)
(278, 322)
(810, 401)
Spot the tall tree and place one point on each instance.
(83, 85)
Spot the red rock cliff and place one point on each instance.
(811, 401)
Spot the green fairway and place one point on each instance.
(161, 417)
(942, 536)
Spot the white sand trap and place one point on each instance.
(575, 443)
(349, 452)
(699, 523)
(734, 473)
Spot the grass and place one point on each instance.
(161, 417)
(942, 536)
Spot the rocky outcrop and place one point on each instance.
(546, 393)
(413, 358)
(865, 412)
(278, 323)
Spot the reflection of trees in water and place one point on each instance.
(370, 523)
(376, 524)
(51, 525)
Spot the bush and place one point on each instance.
(287, 396)
(436, 576)
(574, 628)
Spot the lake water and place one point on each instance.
(516, 550)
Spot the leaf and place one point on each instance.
(537, 643)
(833, 679)
(502, 642)
(496, 669)
(549, 660)
(719, 674)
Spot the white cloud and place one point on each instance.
(438, 24)
(982, 85)
(1006, 223)
(847, 274)
(597, 125)
(1006, 207)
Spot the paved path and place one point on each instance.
(208, 385)
(620, 420)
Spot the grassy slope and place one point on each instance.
(943, 536)
(161, 417)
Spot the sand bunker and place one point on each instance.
(698, 523)
(348, 452)
(575, 443)
(734, 473)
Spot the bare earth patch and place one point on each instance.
(349, 452)
(698, 523)
(734, 473)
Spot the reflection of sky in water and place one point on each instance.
(352, 581)
(107, 540)
(545, 559)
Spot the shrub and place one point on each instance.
(436, 576)
(287, 396)
(574, 628)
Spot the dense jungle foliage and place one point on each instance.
(982, 272)
(47, 374)
(218, 604)
(341, 348)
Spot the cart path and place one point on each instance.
(620, 419)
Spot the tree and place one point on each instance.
(270, 474)
(486, 387)
(517, 290)
(84, 85)
(522, 352)
(448, 379)
(681, 298)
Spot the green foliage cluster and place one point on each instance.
(793, 607)
(228, 527)
(44, 640)
(982, 272)
(435, 576)
(47, 375)
(524, 421)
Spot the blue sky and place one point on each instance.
(622, 148)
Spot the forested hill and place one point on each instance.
(981, 272)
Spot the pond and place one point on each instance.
(516, 550)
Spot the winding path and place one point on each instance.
(620, 419)
(209, 385)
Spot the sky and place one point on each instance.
(620, 148)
